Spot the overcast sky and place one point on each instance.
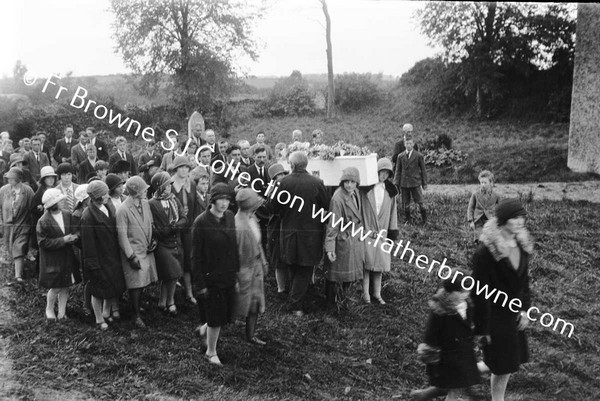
(75, 35)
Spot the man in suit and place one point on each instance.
(44, 148)
(203, 168)
(302, 236)
(229, 175)
(78, 152)
(222, 155)
(149, 158)
(260, 141)
(5, 150)
(62, 150)
(211, 142)
(35, 159)
(410, 177)
(246, 161)
(259, 179)
(122, 154)
(88, 166)
(399, 147)
(101, 147)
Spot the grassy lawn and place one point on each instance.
(515, 151)
(365, 352)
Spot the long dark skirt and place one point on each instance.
(508, 349)
(169, 261)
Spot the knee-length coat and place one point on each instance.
(58, 266)
(386, 220)
(16, 219)
(253, 267)
(135, 235)
(101, 253)
(349, 250)
(169, 250)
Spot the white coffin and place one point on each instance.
(330, 171)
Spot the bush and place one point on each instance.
(444, 157)
(440, 141)
(356, 91)
(290, 97)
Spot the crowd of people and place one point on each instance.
(114, 222)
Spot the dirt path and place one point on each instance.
(556, 191)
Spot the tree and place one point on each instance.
(330, 82)
(491, 40)
(189, 45)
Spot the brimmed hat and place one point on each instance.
(350, 174)
(248, 199)
(16, 173)
(47, 171)
(97, 189)
(64, 168)
(113, 181)
(180, 161)
(385, 164)
(136, 186)
(51, 197)
(121, 166)
(509, 209)
(16, 158)
(276, 169)
(160, 179)
(220, 191)
(81, 193)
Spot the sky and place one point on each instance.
(76, 35)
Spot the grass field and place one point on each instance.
(365, 352)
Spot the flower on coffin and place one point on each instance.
(328, 152)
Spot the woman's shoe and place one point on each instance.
(380, 300)
(102, 326)
(139, 323)
(116, 315)
(172, 310)
(257, 341)
(213, 359)
(192, 300)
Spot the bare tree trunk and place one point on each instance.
(330, 86)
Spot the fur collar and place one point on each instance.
(441, 304)
(495, 243)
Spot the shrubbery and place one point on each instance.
(356, 91)
(289, 97)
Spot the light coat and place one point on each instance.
(349, 250)
(16, 227)
(385, 222)
(135, 235)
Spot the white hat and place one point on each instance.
(47, 171)
(81, 193)
(51, 197)
(407, 127)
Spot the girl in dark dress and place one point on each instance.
(167, 213)
(58, 266)
(501, 262)
(101, 252)
(448, 348)
(47, 180)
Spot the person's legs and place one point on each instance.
(135, 294)
(366, 285)
(19, 263)
(212, 336)
(170, 293)
(377, 286)
(452, 395)
(162, 297)
(63, 297)
(114, 308)
(428, 393)
(106, 307)
(301, 276)
(499, 383)
(97, 308)
(417, 195)
(406, 203)
(187, 283)
(50, 302)
(281, 275)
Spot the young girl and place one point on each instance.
(58, 266)
(448, 348)
(250, 299)
(345, 252)
(380, 214)
(482, 204)
(115, 189)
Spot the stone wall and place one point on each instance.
(584, 132)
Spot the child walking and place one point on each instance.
(483, 203)
(448, 348)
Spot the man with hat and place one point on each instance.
(15, 218)
(301, 235)
(122, 168)
(399, 147)
(35, 159)
(56, 235)
(64, 171)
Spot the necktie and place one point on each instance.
(261, 173)
(355, 200)
(70, 199)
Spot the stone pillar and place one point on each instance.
(584, 131)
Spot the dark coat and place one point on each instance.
(410, 173)
(169, 250)
(63, 150)
(145, 158)
(78, 156)
(492, 268)
(259, 187)
(115, 157)
(34, 166)
(85, 169)
(399, 148)
(191, 201)
(37, 211)
(301, 235)
(215, 254)
(45, 149)
(454, 335)
(58, 265)
(101, 253)
(101, 149)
